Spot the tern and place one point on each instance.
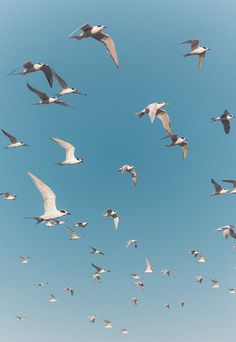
(134, 300)
(21, 318)
(74, 236)
(225, 119)
(140, 284)
(195, 253)
(179, 141)
(65, 88)
(45, 99)
(92, 318)
(227, 231)
(53, 299)
(53, 223)
(198, 50)
(124, 331)
(233, 182)
(132, 242)
(135, 275)
(96, 277)
(14, 142)
(81, 224)
(96, 251)
(41, 284)
(70, 290)
(201, 258)
(100, 270)
(24, 260)
(154, 111)
(70, 153)
(215, 284)
(218, 189)
(181, 302)
(30, 67)
(231, 291)
(95, 32)
(49, 198)
(108, 324)
(165, 272)
(199, 278)
(166, 306)
(8, 196)
(131, 170)
(148, 266)
(114, 215)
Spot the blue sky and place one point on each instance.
(169, 212)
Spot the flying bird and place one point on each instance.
(124, 331)
(8, 196)
(53, 299)
(148, 266)
(135, 275)
(45, 99)
(95, 251)
(21, 318)
(165, 272)
(215, 284)
(181, 302)
(92, 318)
(154, 111)
(95, 32)
(81, 224)
(70, 153)
(231, 291)
(233, 182)
(49, 198)
(166, 306)
(196, 49)
(195, 253)
(114, 215)
(24, 260)
(199, 278)
(29, 67)
(65, 88)
(108, 324)
(74, 236)
(139, 284)
(41, 284)
(132, 242)
(131, 170)
(218, 189)
(179, 141)
(96, 277)
(53, 223)
(14, 142)
(227, 231)
(225, 119)
(134, 300)
(100, 270)
(70, 290)
(201, 258)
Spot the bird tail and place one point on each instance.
(140, 114)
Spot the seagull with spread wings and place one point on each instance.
(225, 120)
(196, 50)
(131, 170)
(14, 142)
(218, 189)
(148, 266)
(70, 153)
(176, 140)
(114, 214)
(65, 89)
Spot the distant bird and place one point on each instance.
(114, 214)
(166, 305)
(225, 119)
(92, 318)
(108, 324)
(95, 251)
(81, 224)
(215, 284)
(53, 299)
(201, 258)
(134, 300)
(65, 88)
(181, 302)
(100, 270)
(124, 331)
(227, 231)
(196, 49)
(8, 196)
(70, 153)
(29, 67)
(199, 278)
(74, 236)
(233, 182)
(179, 141)
(14, 142)
(139, 284)
(49, 199)
(135, 275)
(165, 272)
(131, 170)
(24, 260)
(218, 189)
(70, 290)
(89, 30)
(53, 223)
(132, 242)
(148, 266)
(231, 291)
(21, 318)
(96, 277)
(45, 99)
(194, 253)
(154, 111)
(41, 284)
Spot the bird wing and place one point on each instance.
(148, 265)
(232, 233)
(226, 125)
(194, 43)
(11, 137)
(70, 149)
(97, 267)
(62, 103)
(62, 83)
(152, 111)
(201, 59)
(184, 147)
(133, 176)
(48, 74)
(94, 249)
(40, 94)
(116, 221)
(217, 186)
(86, 27)
(226, 233)
(164, 117)
(232, 181)
(48, 195)
(109, 44)
(28, 65)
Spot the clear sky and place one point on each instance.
(169, 212)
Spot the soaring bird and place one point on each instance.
(100, 270)
(95, 32)
(70, 290)
(134, 300)
(215, 284)
(176, 140)
(148, 266)
(132, 242)
(199, 278)
(131, 170)
(108, 324)
(139, 284)
(114, 214)
(8, 196)
(225, 119)
(196, 49)
(14, 142)
(65, 88)
(95, 251)
(92, 318)
(74, 236)
(24, 260)
(70, 153)
(53, 299)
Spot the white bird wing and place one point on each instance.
(148, 265)
(201, 59)
(152, 111)
(184, 147)
(70, 149)
(116, 221)
(165, 119)
(48, 195)
(109, 44)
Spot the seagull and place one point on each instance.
(132, 242)
(135, 275)
(215, 284)
(54, 222)
(218, 189)
(100, 270)
(95, 251)
(53, 299)
(65, 89)
(49, 198)
(140, 284)
(69, 289)
(195, 253)
(41, 284)
(89, 30)
(179, 141)
(227, 231)
(231, 291)
(24, 260)
(96, 277)
(165, 272)
(30, 67)
(21, 318)
(114, 215)
(45, 99)
(8, 196)
(108, 324)
(154, 111)
(225, 119)
(148, 266)
(167, 305)
(70, 153)
(181, 302)
(201, 258)
(198, 50)
(199, 278)
(92, 318)
(134, 300)
(81, 224)
(74, 236)
(124, 331)
(13, 140)
(131, 170)
(233, 182)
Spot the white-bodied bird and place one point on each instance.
(70, 153)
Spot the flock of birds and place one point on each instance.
(52, 216)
